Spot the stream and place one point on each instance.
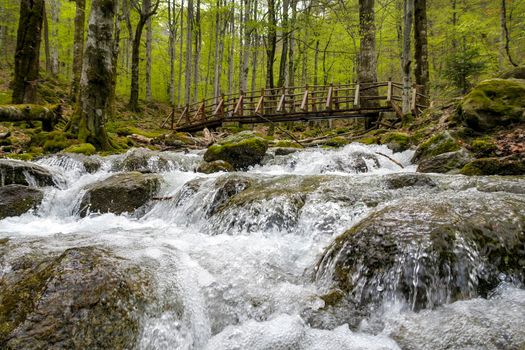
(246, 260)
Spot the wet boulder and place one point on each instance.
(510, 165)
(15, 200)
(438, 144)
(142, 160)
(450, 162)
(120, 193)
(494, 103)
(214, 167)
(83, 298)
(241, 150)
(24, 173)
(402, 180)
(396, 141)
(429, 250)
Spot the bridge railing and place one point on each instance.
(294, 100)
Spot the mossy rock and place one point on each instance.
(24, 173)
(445, 163)
(396, 141)
(494, 103)
(484, 147)
(120, 193)
(287, 144)
(241, 150)
(454, 250)
(510, 165)
(82, 148)
(142, 160)
(84, 298)
(338, 141)
(435, 145)
(214, 167)
(54, 141)
(16, 200)
(372, 140)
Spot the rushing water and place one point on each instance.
(242, 273)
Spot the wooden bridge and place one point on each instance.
(292, 104)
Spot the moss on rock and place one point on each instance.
(82, 148)
(484, 147)
(337, 141)
(24, 173)
(511, 165)
(15, 200)
(215, 166)
(445, 163)
(241, 150)
(435, 145)
(494, 103)
(396, 141)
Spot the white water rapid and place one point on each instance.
(239, 274)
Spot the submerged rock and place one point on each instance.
(24, 173)
(85, 298)
(450, 162)
(494, 103)
(120, 193)
(241, 150)
(430, 250)
(215, 166)
(15, 200)
(396, 181)
(511, 165)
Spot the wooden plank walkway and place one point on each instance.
(296, 104)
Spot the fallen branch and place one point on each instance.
(391, 159)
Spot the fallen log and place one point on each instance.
(49, 115)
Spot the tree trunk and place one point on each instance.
(49, 115)
(97, 76)
(28, 51)
(218, 57)
(421, 45)
(55, 19)
(232, 48)
(197, 55)
(367, 60)
(408, 19)
(189, 30)
(47, 45)
(271, 44)
(255, 48)
(283, 66)
(149, 39)
(179, 84)
(291, 64)
(135, 58)
(78, 46)
(316, 61)
(245, 68)
(116, 51)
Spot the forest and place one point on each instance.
(262, 174)
(180, 52)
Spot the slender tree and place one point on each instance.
(505, 32)
(271, 43)
(78, 46)
(149, 41)
(146, 9)
(421, 71)
(367, 61)
(28, 51)
(408, 17)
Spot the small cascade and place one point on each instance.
(347, 248)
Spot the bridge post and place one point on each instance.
(356, 96)
(329, 97)
(304, 103)
(260, 104)
(389, 91)
(280, 106)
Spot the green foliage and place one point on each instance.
(462, 65)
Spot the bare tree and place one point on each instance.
(271, 43)
(408, 16)
(505, 37)
(78, 46)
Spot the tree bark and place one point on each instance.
(28, 51)
(406, 62)
(187, 74)
(231, 53)
(421, 45)
(78, 46)
(283, 67)
(179, 84)
(197, 55)
(245, 68)
(97, 76)
(271, 44)
(149, 40)
(367, 60)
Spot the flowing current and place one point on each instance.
(241, 272)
